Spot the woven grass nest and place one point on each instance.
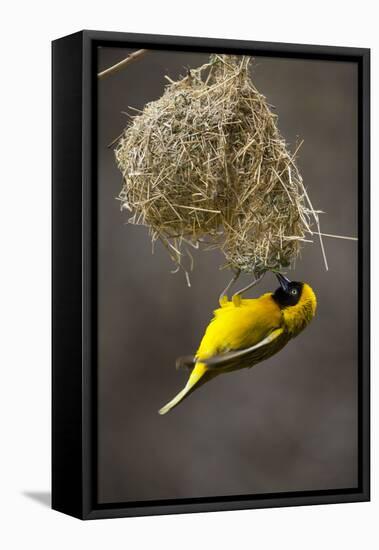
(205, 165)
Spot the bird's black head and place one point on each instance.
(289, 292)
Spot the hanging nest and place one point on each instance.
(206, 165)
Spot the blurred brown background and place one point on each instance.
(289, 424)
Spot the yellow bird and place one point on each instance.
(244, 332)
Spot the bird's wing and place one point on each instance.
(186, 361)
(253, 354)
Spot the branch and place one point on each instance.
(121, 64)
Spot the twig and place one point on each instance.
(334, 236)
(121, 64)
(115, 140)
(318, 227)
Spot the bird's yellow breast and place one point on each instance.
(239, 326)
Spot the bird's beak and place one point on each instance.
(284, 282)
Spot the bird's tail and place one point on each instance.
(197, 373)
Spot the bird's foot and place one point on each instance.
(223, 300)
(236, 299)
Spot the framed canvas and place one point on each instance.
(182, 167)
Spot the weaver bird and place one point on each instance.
(244, 332)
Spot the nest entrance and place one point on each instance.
(205, 165)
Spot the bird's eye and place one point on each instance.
(294, 292)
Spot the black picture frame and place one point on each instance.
(74, 204)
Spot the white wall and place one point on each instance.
(27, 28)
